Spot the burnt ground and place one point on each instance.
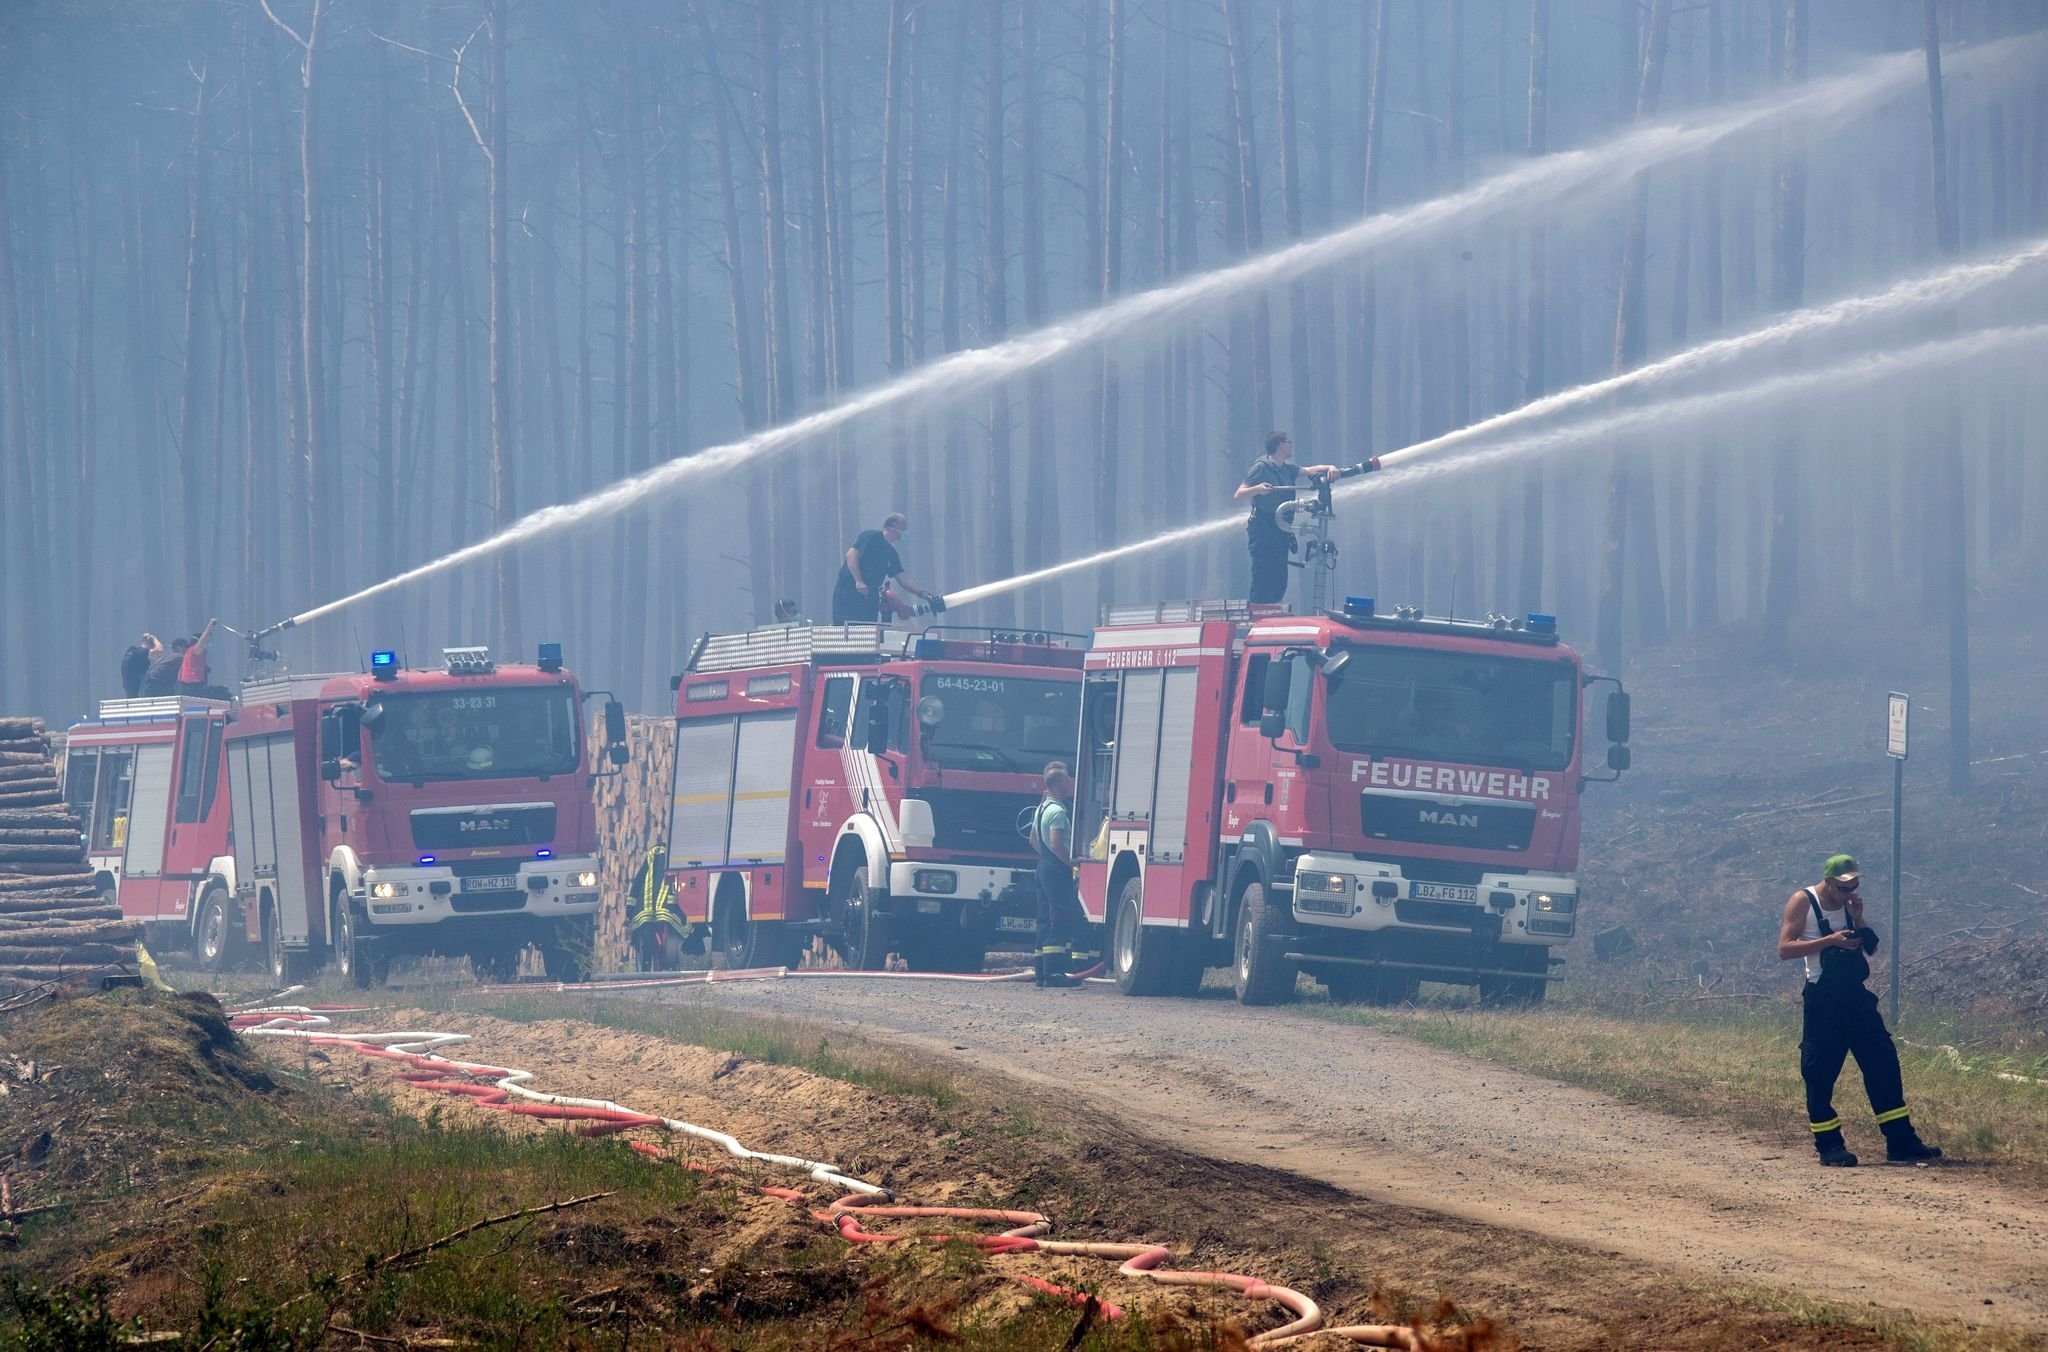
(1750, 770)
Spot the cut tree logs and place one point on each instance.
(54, 924)
(632, 812)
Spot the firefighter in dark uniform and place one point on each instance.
(1823, 928)
(1059, 905)
(1268, 483)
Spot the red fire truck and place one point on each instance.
(867, 785)
(407, 811)
(1377, 800)
(144, 776)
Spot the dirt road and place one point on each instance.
(1386, 1118)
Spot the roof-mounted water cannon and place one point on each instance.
(468, 661)
(384, 665)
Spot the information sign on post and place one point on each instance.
(1898, 711)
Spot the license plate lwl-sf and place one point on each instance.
(1442, 892)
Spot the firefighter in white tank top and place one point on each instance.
(1823, 928)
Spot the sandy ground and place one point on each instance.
(1387, 1119)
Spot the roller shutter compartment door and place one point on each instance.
(148, 812)
(1137, 749)
(760, 799)
(1176, 761)
(295, 904)
(700, 800)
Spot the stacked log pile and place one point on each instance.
(53, 922)
(632, 817)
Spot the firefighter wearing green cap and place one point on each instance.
(1823, 929)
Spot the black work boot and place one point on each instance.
(1833, 1153)
(1902, 1144)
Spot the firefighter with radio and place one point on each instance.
(1823, 928)
(1059, 904)
(1267, 484)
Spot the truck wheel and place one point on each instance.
(565, 949)
(214, 942)
(863, 935)
(1263, 977)
(753, 943)
(285, 966)
(351, 948)
(1144, 959)
(495, 961)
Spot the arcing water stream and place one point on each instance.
(1578, 176)
(1854, 373)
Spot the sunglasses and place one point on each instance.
(1846, 884)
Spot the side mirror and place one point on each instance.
(614, 722)
(1272, 724)
(1617, 757)
(1617, 716)
(1279, 677)
(330, 769)
(330, 739)
(618, 753)
(373, 716)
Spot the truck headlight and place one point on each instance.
(1327, 884)
(941, 882)
(385, 891)
(1554, 903)
(586, 879)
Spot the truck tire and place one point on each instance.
(494, 961)
(216, 945)
(284, 965)
(862, 936)
(1262, 976)
(1144, 959)
(753, 943)
(353, 951)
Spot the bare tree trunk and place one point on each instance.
(1301, 363)
(1041, 487)
(892, 245)
(1952, 567)
(781, 364)
(1630, 343)
(1363, 337)
(1706, 564)
(21, 679)
(1251, 238)
(1788, 286)
(959, 517)
(85, 427)
(460, 628)
(1536, 317)
(504, 494)
(377, 296)
(1108, 375)
(192, 488)
(995, 257)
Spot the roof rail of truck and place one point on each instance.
(1188, 612)
(787, 645)
(147, 707)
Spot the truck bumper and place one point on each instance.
(1344, 893)
(544, 889)
(999, 898)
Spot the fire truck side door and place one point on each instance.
(81, 778)
(149, 812)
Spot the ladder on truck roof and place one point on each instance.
(285, 689)
(788, 645)
(145, 708)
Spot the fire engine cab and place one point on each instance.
(144, 776)
(408, 811)
(1377, 800)
(866, 785)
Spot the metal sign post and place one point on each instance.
(1898, 712)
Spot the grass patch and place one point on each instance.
(1739, 1067)
(819, 1048)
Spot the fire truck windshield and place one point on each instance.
(1011, 724)
(489, 732)
(1469, 708)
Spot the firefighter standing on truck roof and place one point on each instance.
(871, 564)
(1052, 836)
(1268, 483)
(1823, 927)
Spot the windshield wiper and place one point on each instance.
(983, 747)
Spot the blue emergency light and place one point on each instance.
(1539, 623)
(550, 658)
(543, 854)
(929, 649)
(1358, 605)
(384, 665)
(426, 859)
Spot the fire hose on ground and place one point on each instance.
(509, 1089)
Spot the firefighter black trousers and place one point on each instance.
(1839, 1024)
(1059, 916)
(1270, 548)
